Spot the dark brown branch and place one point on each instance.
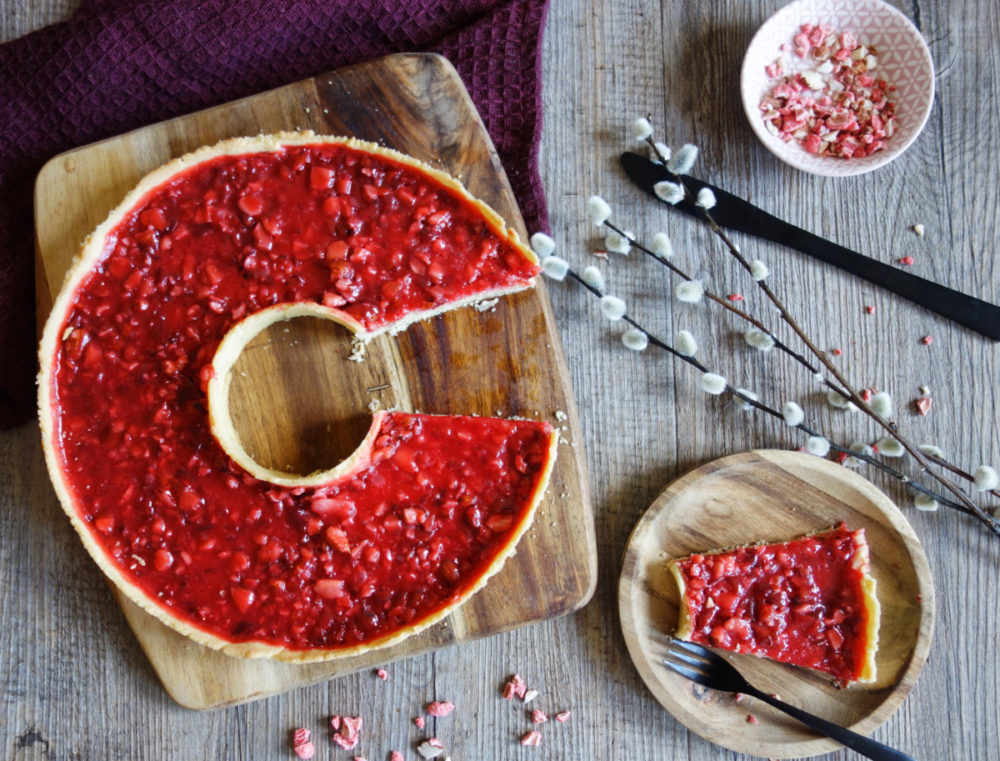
(661, 344)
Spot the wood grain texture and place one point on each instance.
(302, 404)
(643, 418)
(772, 496)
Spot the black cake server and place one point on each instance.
(736, 214)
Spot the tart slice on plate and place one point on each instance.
(808, 602)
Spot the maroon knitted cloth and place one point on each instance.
(120, 64)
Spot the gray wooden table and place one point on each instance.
(75, 685)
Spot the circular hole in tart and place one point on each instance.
(297, 402)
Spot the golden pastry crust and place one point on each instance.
(52, 337)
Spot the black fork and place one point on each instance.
(701, 665)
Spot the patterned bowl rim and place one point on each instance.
(793, 154)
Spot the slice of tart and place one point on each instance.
(809, 602)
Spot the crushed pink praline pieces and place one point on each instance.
(539, 717)
(923, 405)
(927, 340)
(563, 716)
(836, 108)
(418, 722)
(515, 687)
(534, 737)
(346, 730)
(440, 708)
(396, 756)
(303, 748)
(906, 261)
(382, 674)
(345, 742)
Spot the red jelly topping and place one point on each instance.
(427, 509)
(800, 602)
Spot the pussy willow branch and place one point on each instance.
(943, 463)
(852, 394)
(726, 304)
(661, 344)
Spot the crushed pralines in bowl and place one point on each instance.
(837, 87)
(830, 102)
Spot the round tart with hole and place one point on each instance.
(809, 602)
(136, 361)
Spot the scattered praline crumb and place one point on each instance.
(301, 744)
(534, 737)
(440, 708)
(428, 750)
(515, 687)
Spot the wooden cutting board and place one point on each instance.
(299, 403)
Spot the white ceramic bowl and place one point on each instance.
(904, 62)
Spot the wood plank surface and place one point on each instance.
(66, 648)
(300, 403)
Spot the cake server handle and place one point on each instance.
(737, 214)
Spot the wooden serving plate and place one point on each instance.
(774, 496)
(300, 404)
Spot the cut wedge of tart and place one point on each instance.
(809, 602)
(136, 359)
